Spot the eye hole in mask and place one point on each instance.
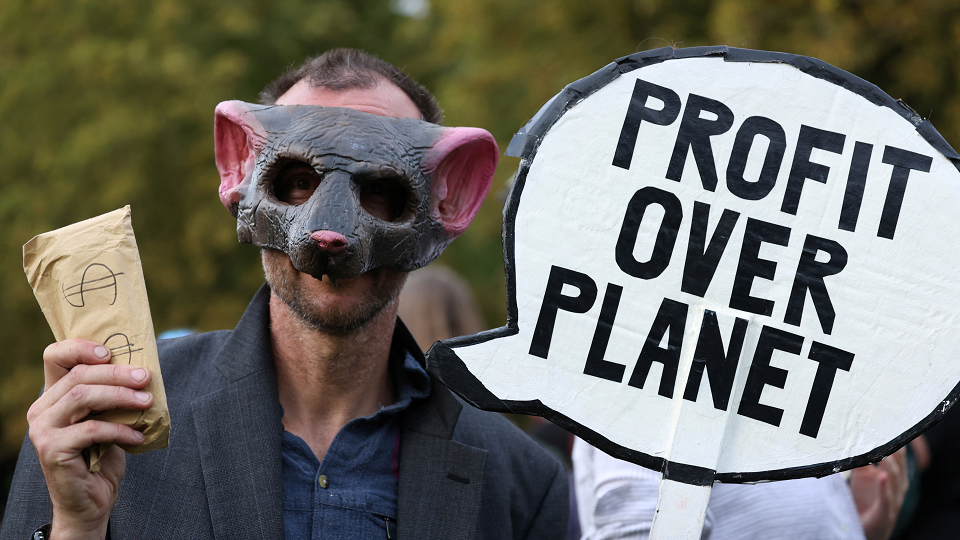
(383, 197)
(295, 183)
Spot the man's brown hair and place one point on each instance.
(348, 69)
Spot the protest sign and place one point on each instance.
(726, 265)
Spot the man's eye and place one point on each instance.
(295, 183)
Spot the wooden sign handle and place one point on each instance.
(681, 509)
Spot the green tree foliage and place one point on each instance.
(493, 63)
(108, 102)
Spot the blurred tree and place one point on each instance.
(108, 102)
(493, 63)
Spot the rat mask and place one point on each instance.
(387, 191)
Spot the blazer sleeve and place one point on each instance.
(551, 519)
(28, 506)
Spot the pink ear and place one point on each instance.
(238, 137)
(462, 163)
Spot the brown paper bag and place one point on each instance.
(89, 283)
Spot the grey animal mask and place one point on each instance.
(386, 191)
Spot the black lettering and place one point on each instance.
(762, 373)
(596, 365)
(695, 133)
(751, 127)
(803, 169)
(810, 274)
(702, 258)
(830, 359)
(903, 162)
(673, 317)
(856, 182)
(638, 112)
(721, 365)
(666, 237)
(752, 266)
(554, 300)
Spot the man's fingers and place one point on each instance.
(884, 488)
(878, 492)
(83, 399)
(109, 374)
(59, 358)
(896, 467)
(921, 450)
(71, 441)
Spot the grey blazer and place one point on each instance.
(464, 473)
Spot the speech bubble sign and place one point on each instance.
(726, 265)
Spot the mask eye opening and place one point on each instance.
(294, 182)
(384, 196)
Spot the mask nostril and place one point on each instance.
(329, 242)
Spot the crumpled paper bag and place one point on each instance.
(88, 280)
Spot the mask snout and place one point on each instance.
(330, 243)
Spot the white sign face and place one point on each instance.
(726, 265)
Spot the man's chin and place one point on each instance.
(337, 308)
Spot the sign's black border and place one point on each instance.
(443, 362)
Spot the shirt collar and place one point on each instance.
(410, 380)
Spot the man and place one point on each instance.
(617, 499)
(314, 418)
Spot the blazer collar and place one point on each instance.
(436, 416)
(239, 432)
(247, 351)
(441, 480)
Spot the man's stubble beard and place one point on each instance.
(337, 319)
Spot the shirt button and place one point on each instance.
(324, 483)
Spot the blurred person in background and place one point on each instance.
(437, 304)
(617, 500)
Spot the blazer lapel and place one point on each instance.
(239, 433)
(441, 480)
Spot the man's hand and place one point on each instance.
(79, 381)
(878, 492)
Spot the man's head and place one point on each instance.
(340, 70)
(344, 193)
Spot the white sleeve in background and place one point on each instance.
(617, 500)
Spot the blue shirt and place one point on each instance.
(352, 495)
